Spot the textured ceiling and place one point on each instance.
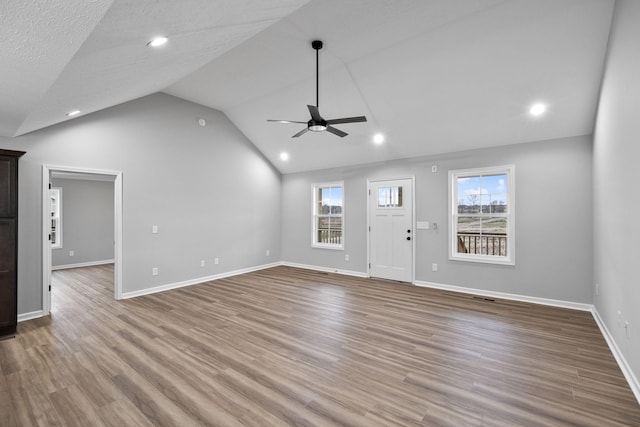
(434, 76)
(58, 56)
(37, 41)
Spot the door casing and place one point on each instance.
(46, 224)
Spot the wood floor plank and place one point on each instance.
(287, 346)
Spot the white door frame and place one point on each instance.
(46, 228)
(413, 221)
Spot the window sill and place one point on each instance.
(332, 247)
(486, 259)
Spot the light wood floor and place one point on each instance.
(288, 346)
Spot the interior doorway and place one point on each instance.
(62, 172)
(391, 232)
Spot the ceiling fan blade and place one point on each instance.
(286, 121)
(315, 113)
(347, 120)
(302, 132)
(335, 131)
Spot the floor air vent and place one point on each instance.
(484, 299)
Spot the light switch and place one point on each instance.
(154, 229)
(422, 225)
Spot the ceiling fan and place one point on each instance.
(317, 123)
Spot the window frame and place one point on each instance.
(314, 215)
(454, 175)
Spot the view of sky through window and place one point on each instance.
(483, 190)
(332, 197)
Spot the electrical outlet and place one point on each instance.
(346, 257)
(71, 253)
(154, 271)
(216, 261)
(268, 252)
(202, 263)
(434, 168)
(434, 267)
(597, 288)
(154, 229)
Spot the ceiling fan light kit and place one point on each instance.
(317, 123)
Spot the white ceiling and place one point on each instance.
(58, 56)
(434, 76)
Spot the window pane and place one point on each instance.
(486, 236)
(494, 236)
(383, 196)
(495, 188)
(336, 200)
(390, 197)
(469, 191)
(329, 230)
(325, 197)
(468, 233)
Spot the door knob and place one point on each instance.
(408, 231)
(408, 238)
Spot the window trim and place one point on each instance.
(510, 258)
(314, 216)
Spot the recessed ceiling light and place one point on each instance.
(537, 109)
(378, 138)
(158, 41)
(73, 113)
(284, 156)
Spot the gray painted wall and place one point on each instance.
(211, 193)
(553, 219)
(616, 177)
(87, 222)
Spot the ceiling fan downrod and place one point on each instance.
(317, 45)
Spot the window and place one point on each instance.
(481, 215)
(390, 197)
(56, 217)
(328, 215)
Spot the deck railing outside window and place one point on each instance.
(329, 236)
(483, 243)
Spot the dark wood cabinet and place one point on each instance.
(9, 241)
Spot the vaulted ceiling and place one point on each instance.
(433, 76)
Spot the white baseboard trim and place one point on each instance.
(82, 264)
(503, 295)
(622, 362)
(325, 269)
(29, 316)
(196, 281)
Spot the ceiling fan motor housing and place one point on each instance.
(317, 126)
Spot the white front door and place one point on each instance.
(391, 229)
